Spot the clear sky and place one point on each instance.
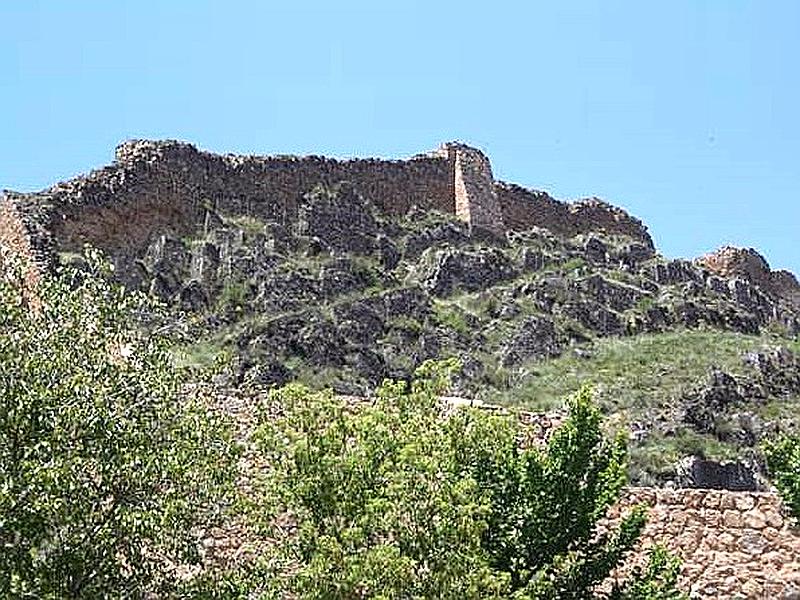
(683, 112)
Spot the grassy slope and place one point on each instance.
(635, 372)
(638, 380)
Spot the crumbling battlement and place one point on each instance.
(521, 207)
(158, 187)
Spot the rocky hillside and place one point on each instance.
(696, 358)
(695, 362)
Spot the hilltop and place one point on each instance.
(342, 273)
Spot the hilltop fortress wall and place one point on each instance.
(154, 188)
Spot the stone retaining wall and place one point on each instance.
(733, 544)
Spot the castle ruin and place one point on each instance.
(169, 187)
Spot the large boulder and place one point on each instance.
(343, 275)
(445, 271)
(595, 251)
(731, 262)
(697, 472)
(674, 272)
(704, 404)
(536, 338)
(594, 317)
(614, 295)
(286, 291)
(777, 370)
(451, 233)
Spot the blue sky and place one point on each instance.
(684, 112)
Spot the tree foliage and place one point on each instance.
(396, 499)
(783, 462)
(106, 464)
(109, 468)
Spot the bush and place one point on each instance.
(106, 464)
(657, 580)
(394, 499)
(451, 317)
(783, 462)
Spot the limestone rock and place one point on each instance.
(702, 405)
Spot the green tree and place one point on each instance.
(396, 499)
(107, 463)
(657, 579)
(783, 463)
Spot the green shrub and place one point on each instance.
(406, 323)
(783, 462)
(396, 499)
(247, 223)
(657, 580)
(106, 466)
(233, 296)
(573, 265)
(644, 304)
(452, 317)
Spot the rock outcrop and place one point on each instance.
(731, 262)
(341, 273)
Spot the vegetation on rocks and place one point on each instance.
(644, 383)
(360, 481)
(396, 499)
(112, 469)
(783, 459)
(109, 467)
(348, 296)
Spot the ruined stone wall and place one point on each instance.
(13, 233)
(476, 199)
(733, 544)
(23, 232)
(157, 188)
(523, 208)
(170, 187)
(593, 214)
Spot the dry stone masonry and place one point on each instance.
(733, 544)
(168, 187)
